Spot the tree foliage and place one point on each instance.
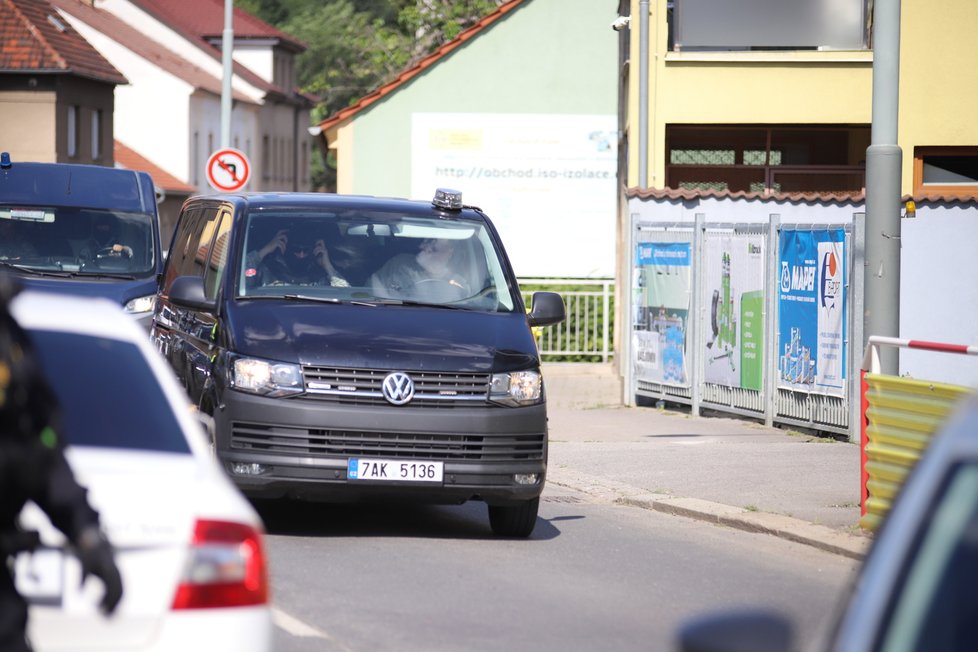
(354, 46)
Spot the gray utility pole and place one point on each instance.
(884, 163)
(227, 43)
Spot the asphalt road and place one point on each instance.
(594, 575)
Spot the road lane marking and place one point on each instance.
(296, 627)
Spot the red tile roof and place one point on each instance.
(205, 19)
(129, 159)
(420, 67)
(182, 17)
(34, 38)
(795, 197)
(137, 43)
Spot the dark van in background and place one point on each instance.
(86, 230)
(336, 368)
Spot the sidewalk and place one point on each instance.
(730, 471)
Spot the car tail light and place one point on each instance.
(226, 568)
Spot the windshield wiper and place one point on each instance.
(123, 277)
(420, 304)
(35, 272)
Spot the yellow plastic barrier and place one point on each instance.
(901, 415)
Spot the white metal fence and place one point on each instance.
(585, 336)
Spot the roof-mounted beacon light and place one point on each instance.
(447, 199)
(5, 160)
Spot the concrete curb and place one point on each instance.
(819, 536)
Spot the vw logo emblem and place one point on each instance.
(398, 388)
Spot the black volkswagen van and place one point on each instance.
(360, 348)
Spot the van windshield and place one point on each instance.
(373, 257)
(77, 240)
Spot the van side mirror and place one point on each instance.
(188, 292)
(546, 308)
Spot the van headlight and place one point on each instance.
(272, 379)
(516, 388)
(140, 305)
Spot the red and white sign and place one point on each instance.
(228, 170)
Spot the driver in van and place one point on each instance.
(104, 239)
(432, 273)
(290, 258)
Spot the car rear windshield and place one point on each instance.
(109, 395)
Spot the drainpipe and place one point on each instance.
(643, 94)
(884, 163)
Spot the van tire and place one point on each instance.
(514, 520)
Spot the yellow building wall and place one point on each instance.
(938, 85)
(29, 126)
(340, 140)
(938, 77)
(739, 88)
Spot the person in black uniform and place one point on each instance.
(33, 467)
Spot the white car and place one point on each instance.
(189, 546)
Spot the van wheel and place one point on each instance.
(514, 520)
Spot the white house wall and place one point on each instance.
(258, 60)
(151, 112)
(938, 293)
(205, 121)
(177, 43)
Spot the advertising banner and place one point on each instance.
(662, 301)
(542, 178)
(733, 273)
(812, 311)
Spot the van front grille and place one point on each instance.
(321, 442)
(363, 387)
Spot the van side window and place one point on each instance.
(218, 256)
(177, 256)
(204, 240)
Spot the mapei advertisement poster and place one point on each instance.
(733, 326)
(661, 302)
(812, 311)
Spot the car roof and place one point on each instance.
(71, 184)
(261, 200)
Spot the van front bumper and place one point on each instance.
(301, 448)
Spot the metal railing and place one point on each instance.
(585, 336)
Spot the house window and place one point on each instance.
(801, 25)
(72, 131)
(96, 134)
(767, 159)
(947, 171)
(266, 158)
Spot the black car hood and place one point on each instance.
(120, 291)
(381, 336)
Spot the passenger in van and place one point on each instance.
(104, 240)
(296, 259)
(433, 273)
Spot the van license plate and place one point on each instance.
(394, 470)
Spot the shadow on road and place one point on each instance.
(311, 519)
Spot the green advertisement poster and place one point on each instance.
(733, 276)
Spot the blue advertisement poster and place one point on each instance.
(812, 311)
(662, 297)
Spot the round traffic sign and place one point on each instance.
(228, 170)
